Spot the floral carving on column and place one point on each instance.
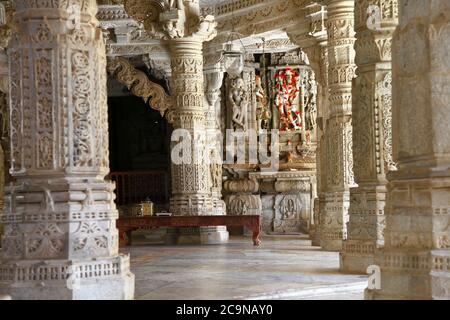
(59, 159)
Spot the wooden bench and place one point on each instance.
(127, 225)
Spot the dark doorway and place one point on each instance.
(139, 152)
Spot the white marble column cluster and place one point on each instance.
(372, 132)
(415, 261)
(338, 137)
(60, 239)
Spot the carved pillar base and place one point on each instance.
(61, 242)
(415, 262)
(333, 222)
(365, 229)
(198, 235)
(101, 279)
(286, 200)
(241, 198)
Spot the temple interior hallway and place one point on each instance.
(284, 267)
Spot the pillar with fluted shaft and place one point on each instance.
(415, 260)
(372, 134)
(60, 239)
(338, 137)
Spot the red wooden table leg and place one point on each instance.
(256, 233)
(124, 238)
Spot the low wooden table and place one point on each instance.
(128, 225)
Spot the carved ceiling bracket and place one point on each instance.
(147, 12)
(139, 84)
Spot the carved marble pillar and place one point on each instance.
(338, 137)
(372, 135)
(311, 35)
(5, 34)
(318, 57)
(60, 239)
(191, 182)
(213, 75)
(415, 261)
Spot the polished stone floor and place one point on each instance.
(284, 267)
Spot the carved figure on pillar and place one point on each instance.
(239, 103)
(311, 102)
(264, 115)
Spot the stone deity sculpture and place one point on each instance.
(263, 113)
(311, 103)
(239, 103)
(287, 93)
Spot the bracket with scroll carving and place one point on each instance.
(139, 84)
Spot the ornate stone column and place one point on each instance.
(338, 137)
(5, 34)
(318, 56)
(213, 77)
(311, 35)
(60, 240)
(415, 261)
(372, 135)
(191, 183)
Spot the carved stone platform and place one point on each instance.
(287, 200)
(127, 225)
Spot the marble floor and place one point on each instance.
(284, 267)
